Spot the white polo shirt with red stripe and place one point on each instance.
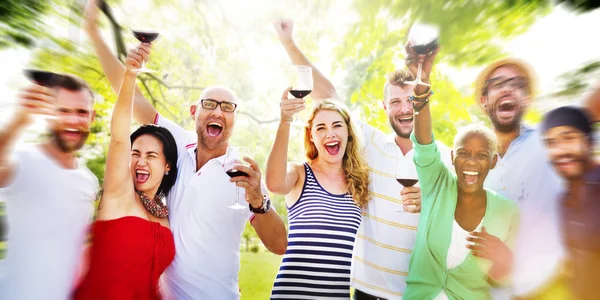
(207, 233)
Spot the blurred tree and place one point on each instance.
(581, 5)
(21, 20)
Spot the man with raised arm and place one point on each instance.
(49, 192)
(207, 233)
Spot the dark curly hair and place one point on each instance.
(169, 147)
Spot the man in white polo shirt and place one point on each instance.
(207, 233)
(388, 229)
(49, 193)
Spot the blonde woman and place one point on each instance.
(324, 197)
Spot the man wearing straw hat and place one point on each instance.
(504, 91)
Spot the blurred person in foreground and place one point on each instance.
(49, 192)
(207, 233)
(568, 138)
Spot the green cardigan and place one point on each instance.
(428, 274)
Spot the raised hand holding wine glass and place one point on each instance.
(137, 57)
(421, 48)
(290, 106)
(302, 87)
(145, 36)
(39, 99)
(36, 100)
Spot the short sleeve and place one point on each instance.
(182, 137)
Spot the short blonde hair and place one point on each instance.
(397, 78)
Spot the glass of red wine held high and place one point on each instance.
(303, 85)
(44, 78)
(423, 39)
(146, 36)
(233, 158)
(406, 174)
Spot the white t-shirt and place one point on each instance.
(387, 234)
(49, 209)
(207, 233)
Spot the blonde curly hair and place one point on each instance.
(353, 163)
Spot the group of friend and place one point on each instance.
(489, 218)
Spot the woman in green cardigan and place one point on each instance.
(465, 231)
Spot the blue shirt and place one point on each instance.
(526, 176)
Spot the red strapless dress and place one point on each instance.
(127, 257)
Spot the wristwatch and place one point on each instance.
(266, 206)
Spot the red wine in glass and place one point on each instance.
(43, 78)
(423, 39)
(145, 36)
(407, 182)
(424, 49)
(300, 93)
(235, 173)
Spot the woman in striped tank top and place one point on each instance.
(324, 197)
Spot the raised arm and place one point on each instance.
(33, 100)
(143, 111)
(322, 89)
(281, 180)
(117, 177)
(422, 118)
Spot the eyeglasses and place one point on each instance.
(514, 83)
(211, 104)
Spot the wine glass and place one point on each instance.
(423, 39)
(406, 173)
(145, 36)
(233, 157)
(303, 87)
(46, 79)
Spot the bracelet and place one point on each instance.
(424, 95)
(418, 108)
(422, 101)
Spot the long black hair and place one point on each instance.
(169, 147)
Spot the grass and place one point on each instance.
(257, 274)
(2, 249)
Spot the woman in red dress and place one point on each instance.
(131, 241)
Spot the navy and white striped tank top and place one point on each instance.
(322, 229)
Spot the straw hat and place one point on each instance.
(520, 64)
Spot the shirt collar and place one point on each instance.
(390, 139)
(191, 150)
(525, 129)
